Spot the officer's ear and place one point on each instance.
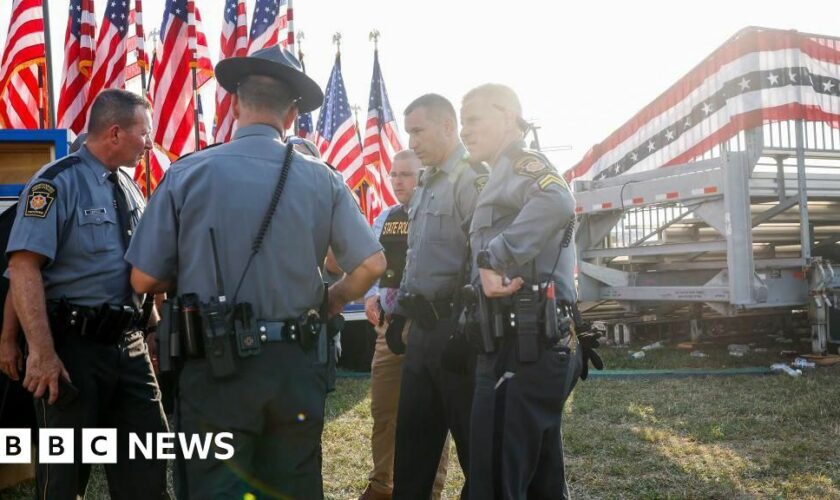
(291, 116)
(234, 102)
(114, 134)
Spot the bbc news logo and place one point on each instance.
(99, 446)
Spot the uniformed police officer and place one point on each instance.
(88, 364)
(516, 238)
(267, 389)
(434, 400)
(380, 302)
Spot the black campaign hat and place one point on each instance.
(277, 63)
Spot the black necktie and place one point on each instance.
(121, 204)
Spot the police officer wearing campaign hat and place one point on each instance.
(88, 364)
(267, 215)
(529, 364)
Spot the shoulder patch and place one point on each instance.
(532, 166)
(39, 199)
(480, 182)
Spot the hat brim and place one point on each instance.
(230, 71)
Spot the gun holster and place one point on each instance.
(393, 335)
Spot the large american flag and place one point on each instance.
(336, 135)
(172, 97)
(79, 42)
(381, 143)
(171, 91)
(234, 43)
(269, 25)
(759, 75)
(23, 103)
(111, 51)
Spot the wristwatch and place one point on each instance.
(483, 260)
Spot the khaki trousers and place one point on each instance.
(385, 378)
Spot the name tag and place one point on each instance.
(95, 211)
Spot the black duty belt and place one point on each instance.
(106, 323)
(427, 313)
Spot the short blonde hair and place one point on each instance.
(498, 95)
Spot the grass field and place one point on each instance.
(703, 437)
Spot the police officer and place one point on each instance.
(380, 302)
(434, 400)
(264, 380)
(88, 364)
(516, 237)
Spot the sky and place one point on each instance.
(581, 69)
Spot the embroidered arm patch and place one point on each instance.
(40, 199)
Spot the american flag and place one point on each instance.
(757, 76)
(172, 95)
(234, 43)
(78, 60)
(22, 71)
(269, 25)
(111, 51)
(381, 143)
(336, 135)
(304, 126)
(135, 44)
(171, 89)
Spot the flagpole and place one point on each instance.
(147, 170)
(193, 48)
(47, 65)
(147, 156)
(299, 40)
(196, 115)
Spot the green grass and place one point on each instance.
(705, 437)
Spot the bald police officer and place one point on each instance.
(516, 237)
(433, 399)
(263, 378)
(88, 363)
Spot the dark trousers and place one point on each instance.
(516, 442)
(274, 407)
(433, 400)
(117, 389)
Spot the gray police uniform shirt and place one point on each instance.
(520, 218)
(228, 188)
(72, 221)
(439, 216)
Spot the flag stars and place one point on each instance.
(827, 86)
(707, 108)
(687, 123)
(773, 78)
(792, 76)
(669, 135)
(634, 156)
(744, 84)
(651, 146)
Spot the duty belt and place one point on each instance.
(106, 323)
(425, 312)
